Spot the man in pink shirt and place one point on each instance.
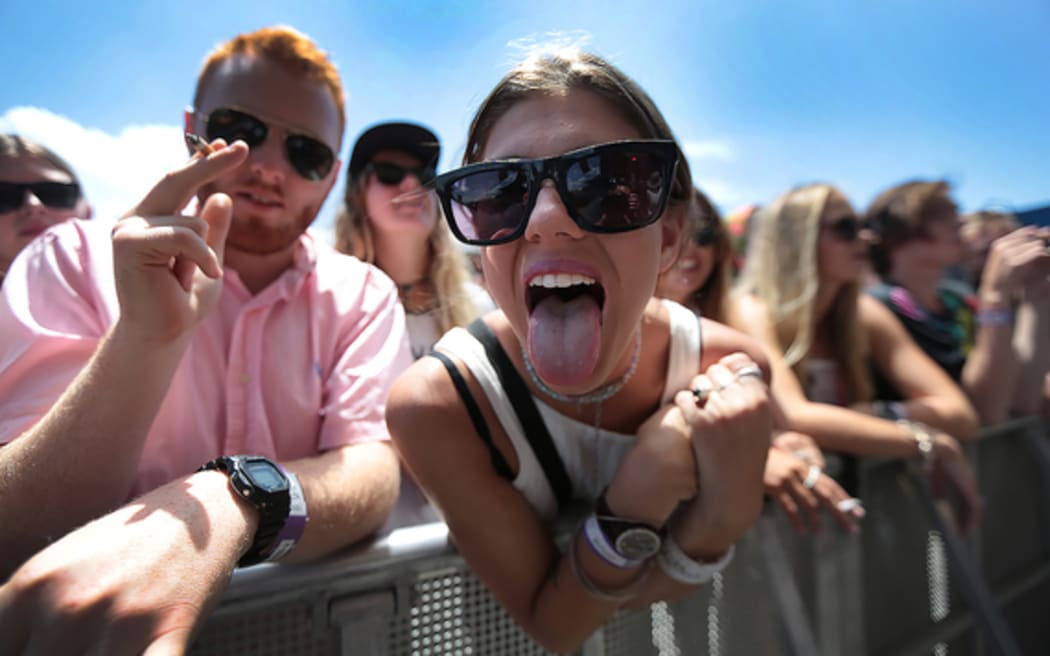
(130, 358)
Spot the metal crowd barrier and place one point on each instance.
(906, 585)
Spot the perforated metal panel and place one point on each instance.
(284, 630)
(453, 614)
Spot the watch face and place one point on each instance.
(638, 543)
(265, 475)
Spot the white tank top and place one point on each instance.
(590, 455)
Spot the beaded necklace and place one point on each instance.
(598, 395)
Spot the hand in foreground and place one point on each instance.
(135, 581)
(731, 432)
(952, 475)
(168, 266)
(802, 490)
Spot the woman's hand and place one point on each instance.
(802, 489)
(801, 446)
(952, 474)
(730, 437)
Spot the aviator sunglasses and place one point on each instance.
(56, 195)
(309, 157)
(393, 174)
(613, 187)
(847, 228)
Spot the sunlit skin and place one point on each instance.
(272, 203)
(414, 213)
(625, 264)
(20, 226)
(979, 241)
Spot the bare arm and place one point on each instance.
(501, 535)
(168, 274)
(87, 448)
(842, 429)
(349, 493)
(1003, 368)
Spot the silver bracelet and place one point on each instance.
(923, 440)
(680, 567)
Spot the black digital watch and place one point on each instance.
(262, 483)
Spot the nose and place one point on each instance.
(31, 204)
(267, 160)
(549, 218)
(409, 182)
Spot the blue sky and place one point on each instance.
(764, 95)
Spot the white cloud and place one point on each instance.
(115, 171)
(705, 150)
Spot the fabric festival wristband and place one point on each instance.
(680, 567)
(600, 544)
(994, 317)
(293, 528)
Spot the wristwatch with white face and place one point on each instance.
(633, 540)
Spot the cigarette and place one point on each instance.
(409, 196)
(198, 145)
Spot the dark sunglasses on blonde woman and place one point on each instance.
(613, 187)
(309, 157)
(55, 195)
(847, 228)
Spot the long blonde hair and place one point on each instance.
(781, 269)
(448, 268)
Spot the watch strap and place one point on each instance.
(600, 543)
(294, 525)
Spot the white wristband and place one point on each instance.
(600, 544)
(680, 567)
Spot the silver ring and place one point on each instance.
(811, 477)
(847, 505)
(750, 370)
(702, 391)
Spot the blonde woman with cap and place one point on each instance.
(387, 219)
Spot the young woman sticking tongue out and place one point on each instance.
(575, 188)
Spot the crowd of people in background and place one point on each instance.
(564, 318)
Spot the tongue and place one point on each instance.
(564, 339)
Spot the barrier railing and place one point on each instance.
(906, 585)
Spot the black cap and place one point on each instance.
(410, 138)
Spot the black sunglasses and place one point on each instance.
(309, 157)
(56, 195)
(612, 187)
(393, 174)
(847, 228)
(707, 233)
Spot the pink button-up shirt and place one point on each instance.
(302, 367)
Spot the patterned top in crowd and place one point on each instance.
(196, 391)
(991, 340)
(578, 388)
(794, 473)
(800, 294)
(37, 190)
(389, 220)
